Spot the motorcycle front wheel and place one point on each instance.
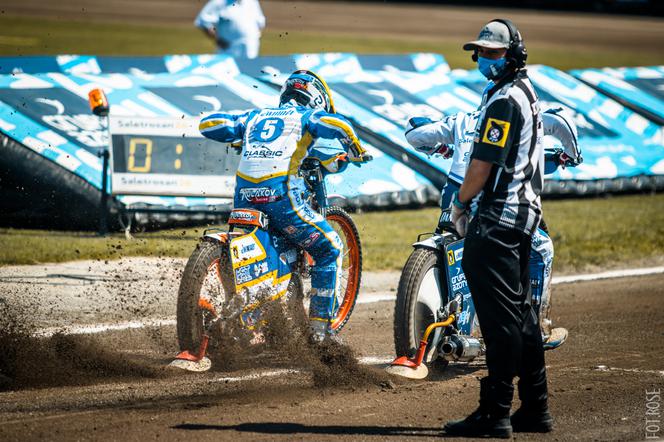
(420, 295)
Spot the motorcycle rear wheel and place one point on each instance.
(351, 276)
(419, 297)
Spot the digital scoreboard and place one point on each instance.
(169, 156)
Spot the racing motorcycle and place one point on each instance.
(434, 317)
(233, 274)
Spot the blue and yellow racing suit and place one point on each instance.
(275, 141)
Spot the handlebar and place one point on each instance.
(364, 159)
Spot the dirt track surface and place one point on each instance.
(617, 325)
(405, 20)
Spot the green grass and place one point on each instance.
(42, 36)
(588, 234)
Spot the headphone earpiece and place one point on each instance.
(517, 49)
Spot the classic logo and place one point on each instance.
(496, 132)
(236, 253)
(450, 258)
(261, 151)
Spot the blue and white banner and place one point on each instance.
(48, 113)
(43, 106)
(90, 64)
(641, 89)
(615, 141)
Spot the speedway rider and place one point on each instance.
(453, 136)
(275, 141)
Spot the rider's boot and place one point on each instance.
(321, 331)
(556, 337)
(552, 338)
(492, 417)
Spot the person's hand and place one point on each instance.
(460, 220)
(459, 215)
(563, 160)
(445, 150)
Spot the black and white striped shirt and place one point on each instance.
(509, 136)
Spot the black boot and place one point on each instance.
(491, 419)
(533, 416)
(531, 420)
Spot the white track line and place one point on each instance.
(607, 275)
(628, 370)
(91, 329)
(366, 360)
(254, 376)
(365, 299)
(379, 360)
(370, 298)
(375, 360)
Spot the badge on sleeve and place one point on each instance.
(496, 132)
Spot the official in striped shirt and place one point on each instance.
(505, 174)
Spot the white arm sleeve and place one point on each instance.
(260, 17)
(431, 135)
(562, 127)
(209, 15)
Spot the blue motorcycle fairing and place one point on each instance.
(540, 264)
(540, 268)
(261, 264)
(458, 287)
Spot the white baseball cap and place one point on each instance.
(494, 35)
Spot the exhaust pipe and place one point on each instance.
(460, 348)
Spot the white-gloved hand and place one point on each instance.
(460, 220)
(459, 215)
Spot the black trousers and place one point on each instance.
(495, 261)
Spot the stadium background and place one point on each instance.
(34, 199)
(110, 385)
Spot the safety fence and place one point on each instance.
(52, 149)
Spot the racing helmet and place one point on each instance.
(307, 89)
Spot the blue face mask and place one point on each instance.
(491, 68)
